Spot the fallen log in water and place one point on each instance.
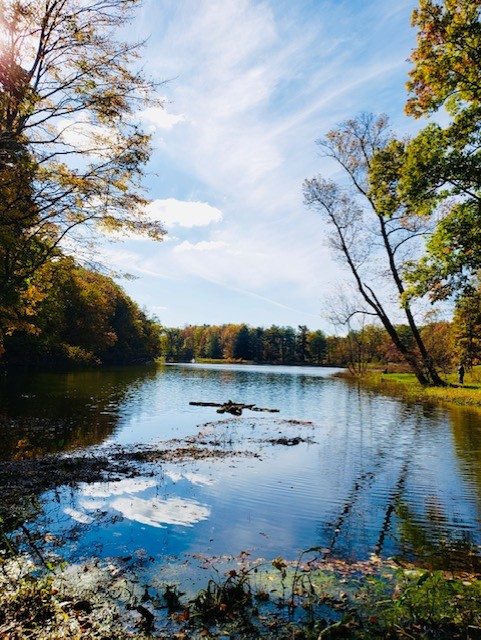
(234, 408)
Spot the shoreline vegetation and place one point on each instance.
(311, 597)
(306, 599)
(406, 386)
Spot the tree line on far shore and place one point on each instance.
(449, 343)
(85, 318)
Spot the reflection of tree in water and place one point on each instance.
(466, 428)
(416, 522)
(46, 412)
(432, 540)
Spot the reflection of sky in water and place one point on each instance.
(122, 498)
(348, 489)
(161, 410)
(156, 512)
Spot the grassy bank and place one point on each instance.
(407, 386)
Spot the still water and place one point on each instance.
(372, 474)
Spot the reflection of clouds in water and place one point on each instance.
(156, 512)
(79, 516)
(107, 489)
(91, 505)
(193, 478)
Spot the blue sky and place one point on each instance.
(252, 85)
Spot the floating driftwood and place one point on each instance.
(234, 408)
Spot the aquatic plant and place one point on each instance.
(224, 597)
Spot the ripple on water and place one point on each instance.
(378, 475)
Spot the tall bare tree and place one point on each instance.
(372, 230)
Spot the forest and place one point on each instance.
(358, 349)
(130, 508)
(82, 318)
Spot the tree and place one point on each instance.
(83, 317)
(171, 342)
(272, 344)
(442, 169)
(447, 69)
(188, 345)
(242, 344)
(368, 215)
(467, 328)
(72, 153)
(302, 338)
(438, 338)
(337, 351)
(214, 347)
(317, 346)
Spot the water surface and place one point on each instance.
(373, 475)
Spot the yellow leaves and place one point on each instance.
(446, 59)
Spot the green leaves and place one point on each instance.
(440, 174)
(447, 69)
(72, 154)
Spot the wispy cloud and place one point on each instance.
(174, 212)
(204, 245)
(254, 85)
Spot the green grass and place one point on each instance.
(406, 385)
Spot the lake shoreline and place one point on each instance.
(315, 595)
(267, 590)
(406, 386)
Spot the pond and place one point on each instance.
(338, 467)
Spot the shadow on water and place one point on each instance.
(55, 411)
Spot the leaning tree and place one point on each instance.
(373, 232)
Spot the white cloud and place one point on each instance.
(160, 118)
(259, 81)
(107, 489)
(204, 245)
(157, 512)
(255, 83)
(184, 214)
(276, 254)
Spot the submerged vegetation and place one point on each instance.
(309, 598)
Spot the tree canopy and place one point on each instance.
(447, 58)
(83, 317)
(72, 151)
(442, 168)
